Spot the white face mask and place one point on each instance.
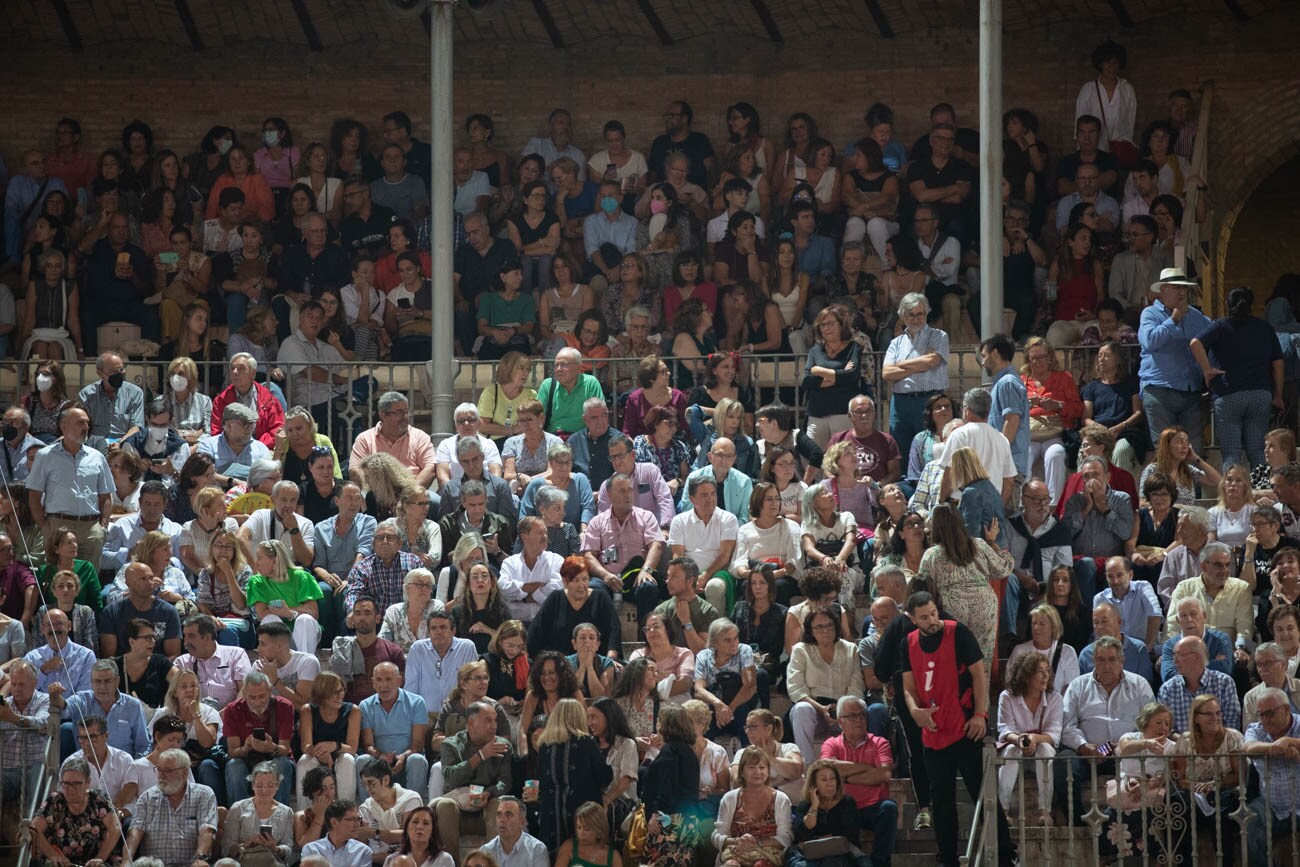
(271, 137)
(44, 382)
(157, 433)
(178, 382)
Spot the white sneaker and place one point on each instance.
(923, 821)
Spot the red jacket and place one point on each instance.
(270, 415)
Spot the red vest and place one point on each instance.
(938, 685)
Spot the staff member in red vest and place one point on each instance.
(947, 693)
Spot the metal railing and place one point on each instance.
(1153, 817)
(32, 793)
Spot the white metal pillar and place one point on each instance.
(440, 206)
(990, 168)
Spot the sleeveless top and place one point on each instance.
(529, 235)
(754, 203)
(684, 376)
(867, 185)
(937, 685)
(335, 731)
(583, 862)
(565, 309)
(788, 305)
(825, 189)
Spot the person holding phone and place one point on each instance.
(259, 824)
(258, 726)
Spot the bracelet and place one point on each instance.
(983, 714)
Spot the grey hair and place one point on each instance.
(256, 678)
(1183, 603)
(298, 411)
(1214, 548)
(467, 407)
(468, 542)
(77, 765)
(1196, 515)
(1094, 459)
(238, 412)
(246, 357)
(636, 310)
(472, 488)
(619, 477)
(309, 861)
(1112, 607)
(887, 569)
(1107, 641)
(912, 300)
(1274, 693)
(261, 470)
(262, 768)
(845, 701)
(105, 665)
(548, 495)
(978, 401)
(561, 452)
(179, 756)
(582, 626)
(720, 626)
(154, 862)
(1269, 648)
(420, 572)
(389, 399)
(591, 402)
(694, 483)
(466, 445)
(389, 524)
(285, 485)
(26, 416)
(569, 352)
(853, 247)
(23, 665)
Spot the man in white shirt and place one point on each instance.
(513, 846)
(1099, 708)
(281, 522)
(467, 425)
(528, 577)
(110, 768)
(473, 190)
(559, 143)
(708, 536)
(990, 445)
(291, 672)
(315, 368)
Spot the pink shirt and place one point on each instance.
(278, 173)
(872, 751)
(414, 450)
(632, 538)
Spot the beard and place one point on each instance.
(171, 787)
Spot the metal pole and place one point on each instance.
(440, 204)
(990, 167)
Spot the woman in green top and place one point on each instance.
(506, 317)
(590, 844)
(61, 555)
(280, 591)
(693, 343)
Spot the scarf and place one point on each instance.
(1032, 560)
(521, 671)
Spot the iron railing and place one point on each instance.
(32, 796)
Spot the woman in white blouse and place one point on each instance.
(1045, 630)
(784, 760)
(1108, 97)
(1230, 517)
(715, 770)
(1029, 724)
(823, 667)
(769, 539)
(406, 622)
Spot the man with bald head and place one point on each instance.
(564, 393)
(25, 199)
(1189, 618)
(883, 611)
(475, 267)
(119, 285)
(734, 487)
(1195, 678)
(1106, 622)
(61, 665)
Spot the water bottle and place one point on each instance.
(510, 415)
(1049, 289)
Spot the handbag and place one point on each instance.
(637, 832)
(825, 847)
(1044, 427)
(258, 855)
(726, 686)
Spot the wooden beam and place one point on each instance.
(769, 23)
(878, 15)
(548, 21)
(1234, 6)
(69, 26)
(1121, 13)
(655, 22)
(187, 21)
(308, 26)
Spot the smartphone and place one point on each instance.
(276, 603)
(404, 303)
(265, 830)
(170, 258)
(259, 733)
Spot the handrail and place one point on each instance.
(984, 814)
(44, 785)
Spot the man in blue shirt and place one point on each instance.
(814, 254)
(124, 713)
(25, 198)
(1009, 412)
(116, 406)
(393, 723)
(608, 235)
(1171, 380)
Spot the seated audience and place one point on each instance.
(1195, 678)
(1029, 725)
(77, 824)
(753, 820)
(393, 725)
(476, 768)
(244, 830)
(823, 666)
(1046, 638)
(258, 726)
(1106, 622)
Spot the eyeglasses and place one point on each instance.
(1272, 711)
(862, 412)
(466, 420)
(845, 716)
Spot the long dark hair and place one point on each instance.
(568, 685)
(950, 534)
(435, 841)
(616, 724)
(896, 543)
(1240, 303)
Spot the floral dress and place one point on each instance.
(762, 827)
(966, 591)
(78, 835)
(669, 460)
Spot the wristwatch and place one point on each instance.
(294, 531)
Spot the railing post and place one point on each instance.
(989, 801)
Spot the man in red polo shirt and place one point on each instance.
(866, 764)
(947, 693)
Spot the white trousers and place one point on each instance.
(1052, 453)
(345, 777)
(878, 229)
(808, 725)
(306, 631)
(1009, 774)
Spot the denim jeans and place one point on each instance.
(882, 820)
(1165, 407)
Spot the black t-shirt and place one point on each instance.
(967, 139)
(370, 235)
(478, 271)
(1263, 558)
(696, 146)
(933, 177)
(419, 161)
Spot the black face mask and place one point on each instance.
(115, 380)
(9, 432)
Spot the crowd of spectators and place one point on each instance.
(264, 642)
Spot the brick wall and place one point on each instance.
(833, 75)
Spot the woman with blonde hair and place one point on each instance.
(184, 699)
(191, 409)
(155, 551)
(508, 666)
(1046, 631)
(406, 622)
(384, 478)
(1029, 723)
(1201, 768)
(330, 729)
(1279, 450)
(573, 771)
(471, 686)
(753, 827)
(419, 533)
(590, 845)
(279, 591)
(715, 772)
(1230, 517)
(64, 593)
(981, 502)
(221, 587)
(785, 761)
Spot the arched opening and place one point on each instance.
(1261, 237)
